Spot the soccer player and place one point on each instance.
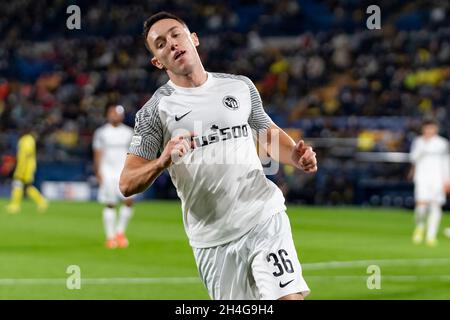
(198, 126)
(430, 156)
(110, 144)
(24, 174)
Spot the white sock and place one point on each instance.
(420, 215)
(125, 215)
(109, 220)
(434, 218)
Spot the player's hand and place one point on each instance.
(304, 157)
(447, 188)
(99, 178)
(410, 175)
(175, 149)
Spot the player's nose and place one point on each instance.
(173, 44)
(174, 47)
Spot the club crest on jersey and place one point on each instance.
(230, 102)
(136, 141)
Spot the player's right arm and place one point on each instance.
(97, 159)
(139, 173)
(417, 150)
(142, 165)
(97, 146)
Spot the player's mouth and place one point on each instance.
(179, 54)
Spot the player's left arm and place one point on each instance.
(446, 170)
(274, 140)
(282, 148)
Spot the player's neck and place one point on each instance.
(191, 80)
(429, 137)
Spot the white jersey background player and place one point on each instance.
(233, 215)
(430, 156)
(110, 144)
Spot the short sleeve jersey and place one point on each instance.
(221, 183)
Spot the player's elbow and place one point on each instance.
(126, 191)
(125, 187)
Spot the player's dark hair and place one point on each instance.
(107, 107)
(430, 121)
(155, 18)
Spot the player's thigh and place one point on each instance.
(112, 189)
(293, 296)
(29, 176)
(275, 266)
(107, 192)
(24, 177)
(226, 272)
(426, 192)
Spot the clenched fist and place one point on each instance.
(304, 157)
(175, 149)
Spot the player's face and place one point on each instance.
(114, 115)
(429, 130)
(173, 46)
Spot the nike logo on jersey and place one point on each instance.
(282, 285)
(181, 117)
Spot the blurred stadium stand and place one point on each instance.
(322, 75)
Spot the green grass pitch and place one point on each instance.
(335, 246)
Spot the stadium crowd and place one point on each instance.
(319, 70)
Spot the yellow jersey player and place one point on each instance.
(24, 175)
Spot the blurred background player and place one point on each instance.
(110, 144)
(429, 154)
(24, 174)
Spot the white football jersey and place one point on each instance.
(431, 159)
(221, 183)
(114, 143)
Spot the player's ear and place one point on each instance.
(154, 61)
(194, 38)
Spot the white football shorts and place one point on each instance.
(429, 191)
(261, 265)
(109, 192)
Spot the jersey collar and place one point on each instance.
(205, 85)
